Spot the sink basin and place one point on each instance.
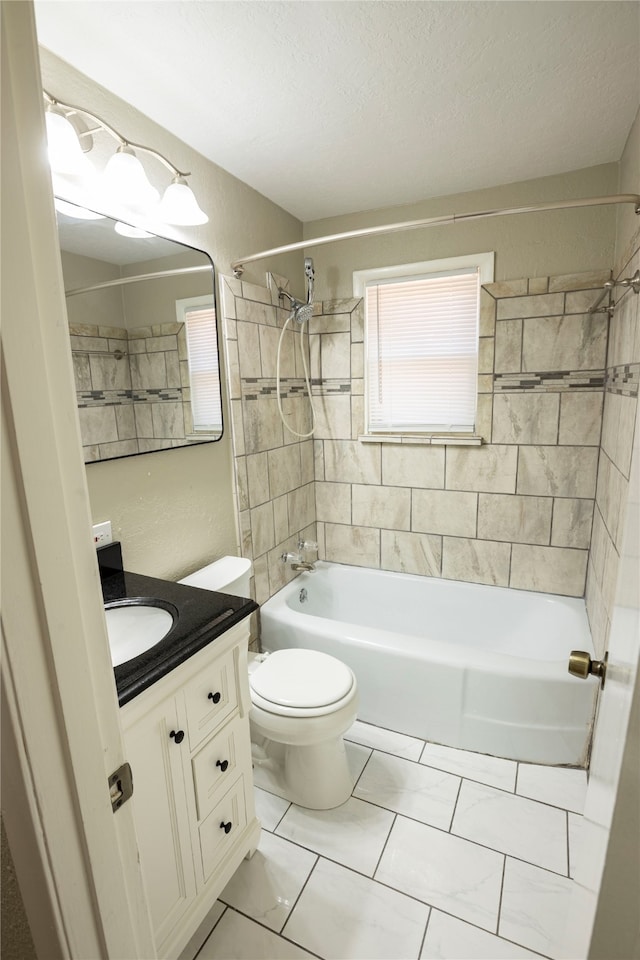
(134, 628)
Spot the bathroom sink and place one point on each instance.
(136, 626)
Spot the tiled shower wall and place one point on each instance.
(274, 470)
(516, 511)
(620, 411)
(132, 388)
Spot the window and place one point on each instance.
(199, 317)
(421, 345)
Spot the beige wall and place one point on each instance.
(174, 510)
(527, 245)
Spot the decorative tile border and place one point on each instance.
(623, 380)
(551, 381)
(262, 388)
(115, 398)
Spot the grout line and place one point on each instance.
(310, 874)
(515, 786)
(455, 805)
(504, 869)
(424, 935)
(275, 933)
(200, 948)
(384, 847)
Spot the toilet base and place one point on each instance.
(315, 776)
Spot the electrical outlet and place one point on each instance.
(102, 533)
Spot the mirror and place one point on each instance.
(142, 325)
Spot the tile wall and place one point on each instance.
(274, 470)
(620, 411)
(516, 511)
(135, 402)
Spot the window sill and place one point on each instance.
(428, 439)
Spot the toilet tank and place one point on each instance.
(228, 575)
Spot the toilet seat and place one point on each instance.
(302, 683)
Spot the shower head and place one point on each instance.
(301, 312)
(310, 274)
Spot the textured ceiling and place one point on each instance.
(333, 107)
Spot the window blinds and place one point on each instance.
(202, 348)
(422, 353)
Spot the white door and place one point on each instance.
(76, 860)
(604, 910)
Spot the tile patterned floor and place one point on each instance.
(439, 853)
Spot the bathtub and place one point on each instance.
(477, 667)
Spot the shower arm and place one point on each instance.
(238, 265)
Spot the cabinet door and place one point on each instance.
(161, 814)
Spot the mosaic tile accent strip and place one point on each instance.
(113, 398)
(262, 388)
(330, 387)
(624, 380)
(551, 381)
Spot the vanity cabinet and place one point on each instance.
(187, 741)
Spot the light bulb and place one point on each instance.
(179, 205)
(126, 230)
(65, 152)
(126, 181)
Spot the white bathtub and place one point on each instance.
(471, 666)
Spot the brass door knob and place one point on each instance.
(581, 665)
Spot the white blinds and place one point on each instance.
(422, 353)
(204, 375)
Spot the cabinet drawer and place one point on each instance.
(216, 765)
(219, 830)
(210, 698)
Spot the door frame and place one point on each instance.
(76, 861)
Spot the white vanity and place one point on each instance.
(187, 741)
(185, 719)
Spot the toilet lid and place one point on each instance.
(301, 678)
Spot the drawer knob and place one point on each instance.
(223, 764)
(178, 735)
(226, 826)
(214, 696)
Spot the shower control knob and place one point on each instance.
(226, 826)
(581, 665)
(177, 735)
(214, 696)
(223, 764)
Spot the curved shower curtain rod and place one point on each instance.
(238, 265)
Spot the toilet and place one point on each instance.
(302, 703)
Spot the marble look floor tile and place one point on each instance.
(559, 786)
(343, 914)
(516, 826)
(269, 809)
(534, 907)
(386, 740)
(238, 938)
(444, 871)
(575, 839)
(409, 788)
(494, 771)
(267, 886)
(451, 939)
(352, 834)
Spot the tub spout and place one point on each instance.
(303, 565)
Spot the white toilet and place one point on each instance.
(302, 701)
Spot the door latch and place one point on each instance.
(120, 786)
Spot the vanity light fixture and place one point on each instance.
(126, 230)
(124, 179)
(75, 211)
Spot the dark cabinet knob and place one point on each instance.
(223, 764)
(214, 696)
(177, 735)
(226, 826)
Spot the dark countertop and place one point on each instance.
(202, 617)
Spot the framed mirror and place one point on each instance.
(142, 326)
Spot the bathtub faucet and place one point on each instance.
(297, 562)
